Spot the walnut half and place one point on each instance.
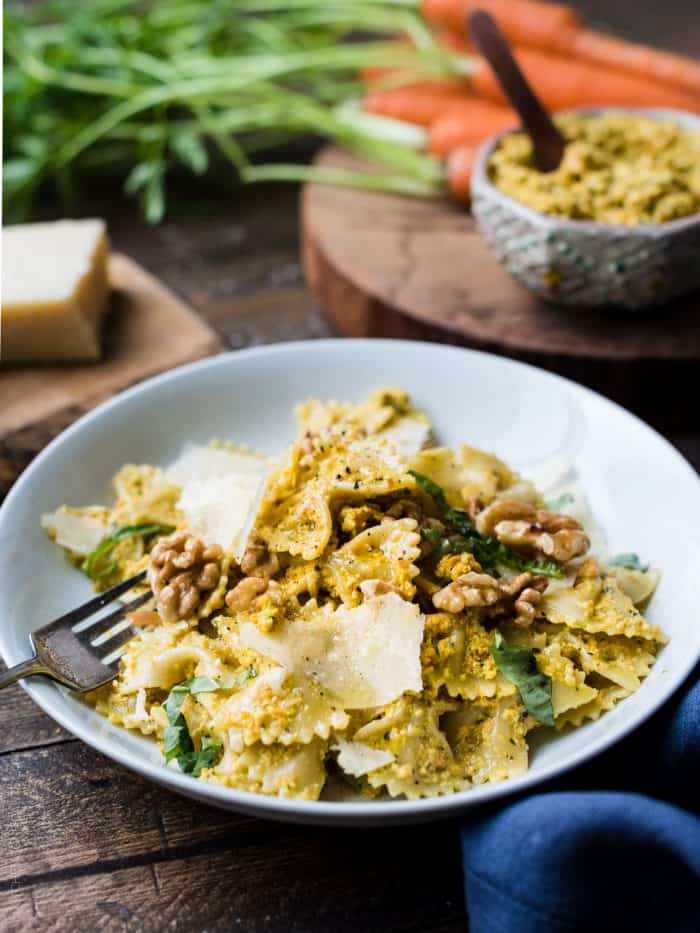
(533, 532)
(182, 569)
(480, 590)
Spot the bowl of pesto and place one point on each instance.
(617, 224)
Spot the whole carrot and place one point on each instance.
(632, 57)
(529, 22)
(562, 83)
(557, 28)
(469, 121)
(417, 103)
(460, 165)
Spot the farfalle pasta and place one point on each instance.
(367, 606)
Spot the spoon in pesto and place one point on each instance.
(548, 142)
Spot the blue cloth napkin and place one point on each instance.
(575, 857)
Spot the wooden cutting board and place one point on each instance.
(386, 265)
(147, 330)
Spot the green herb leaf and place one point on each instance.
(518, 665)
(629, 561)
(205, 757)
(92, 568)
(432, 488)
(202, 684)
(177, 741)
(556, 505)
(487, 550)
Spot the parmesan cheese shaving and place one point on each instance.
(357, 759)
(79, 533)
(221, 509)
(203, 463)
(364, 656)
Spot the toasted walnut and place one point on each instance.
(481, 590)
(531, 531)
(182, 569)
(247, 592)
(373, 588)
(257, 561)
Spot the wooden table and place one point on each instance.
(86, 845)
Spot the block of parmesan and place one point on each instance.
(54, 290)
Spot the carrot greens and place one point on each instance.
(139, 88)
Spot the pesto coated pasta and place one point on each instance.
(368, 607)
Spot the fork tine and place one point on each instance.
(115, 645)
(98, 602)
(89, 633)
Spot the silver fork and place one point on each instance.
(79, 650)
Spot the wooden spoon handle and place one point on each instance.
(547, 142)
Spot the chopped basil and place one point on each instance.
(465, 538)
(560, 502)
(177, 741)
(629, 561)
(518, 665)
(106, 545)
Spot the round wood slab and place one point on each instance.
(387, 265)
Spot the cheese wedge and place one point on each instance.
(54, 290)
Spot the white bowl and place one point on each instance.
(645, 495)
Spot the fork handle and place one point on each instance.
(24, 669)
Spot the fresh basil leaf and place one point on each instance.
(203, 684)
(487, 550)
(555, 505)
(132, 531)
(207, 755)
(629, 562)
(518, 665)
(108, 544)
(177, 741)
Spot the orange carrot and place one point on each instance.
(456, 42)
(528, 22)
(469, 121)
(557, 28)
(459, 172)
(652, 64)
(417, 103)
(563, 83)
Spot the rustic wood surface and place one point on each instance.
(391, 266)
(88, 846)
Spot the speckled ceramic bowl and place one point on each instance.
(584, 263)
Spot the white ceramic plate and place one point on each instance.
(644, 494)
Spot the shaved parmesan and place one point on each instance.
(408, 435)
(79, 533)
(221, 510)
(364, 656)
(357, 759)
(203, 463)
(221, 493)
